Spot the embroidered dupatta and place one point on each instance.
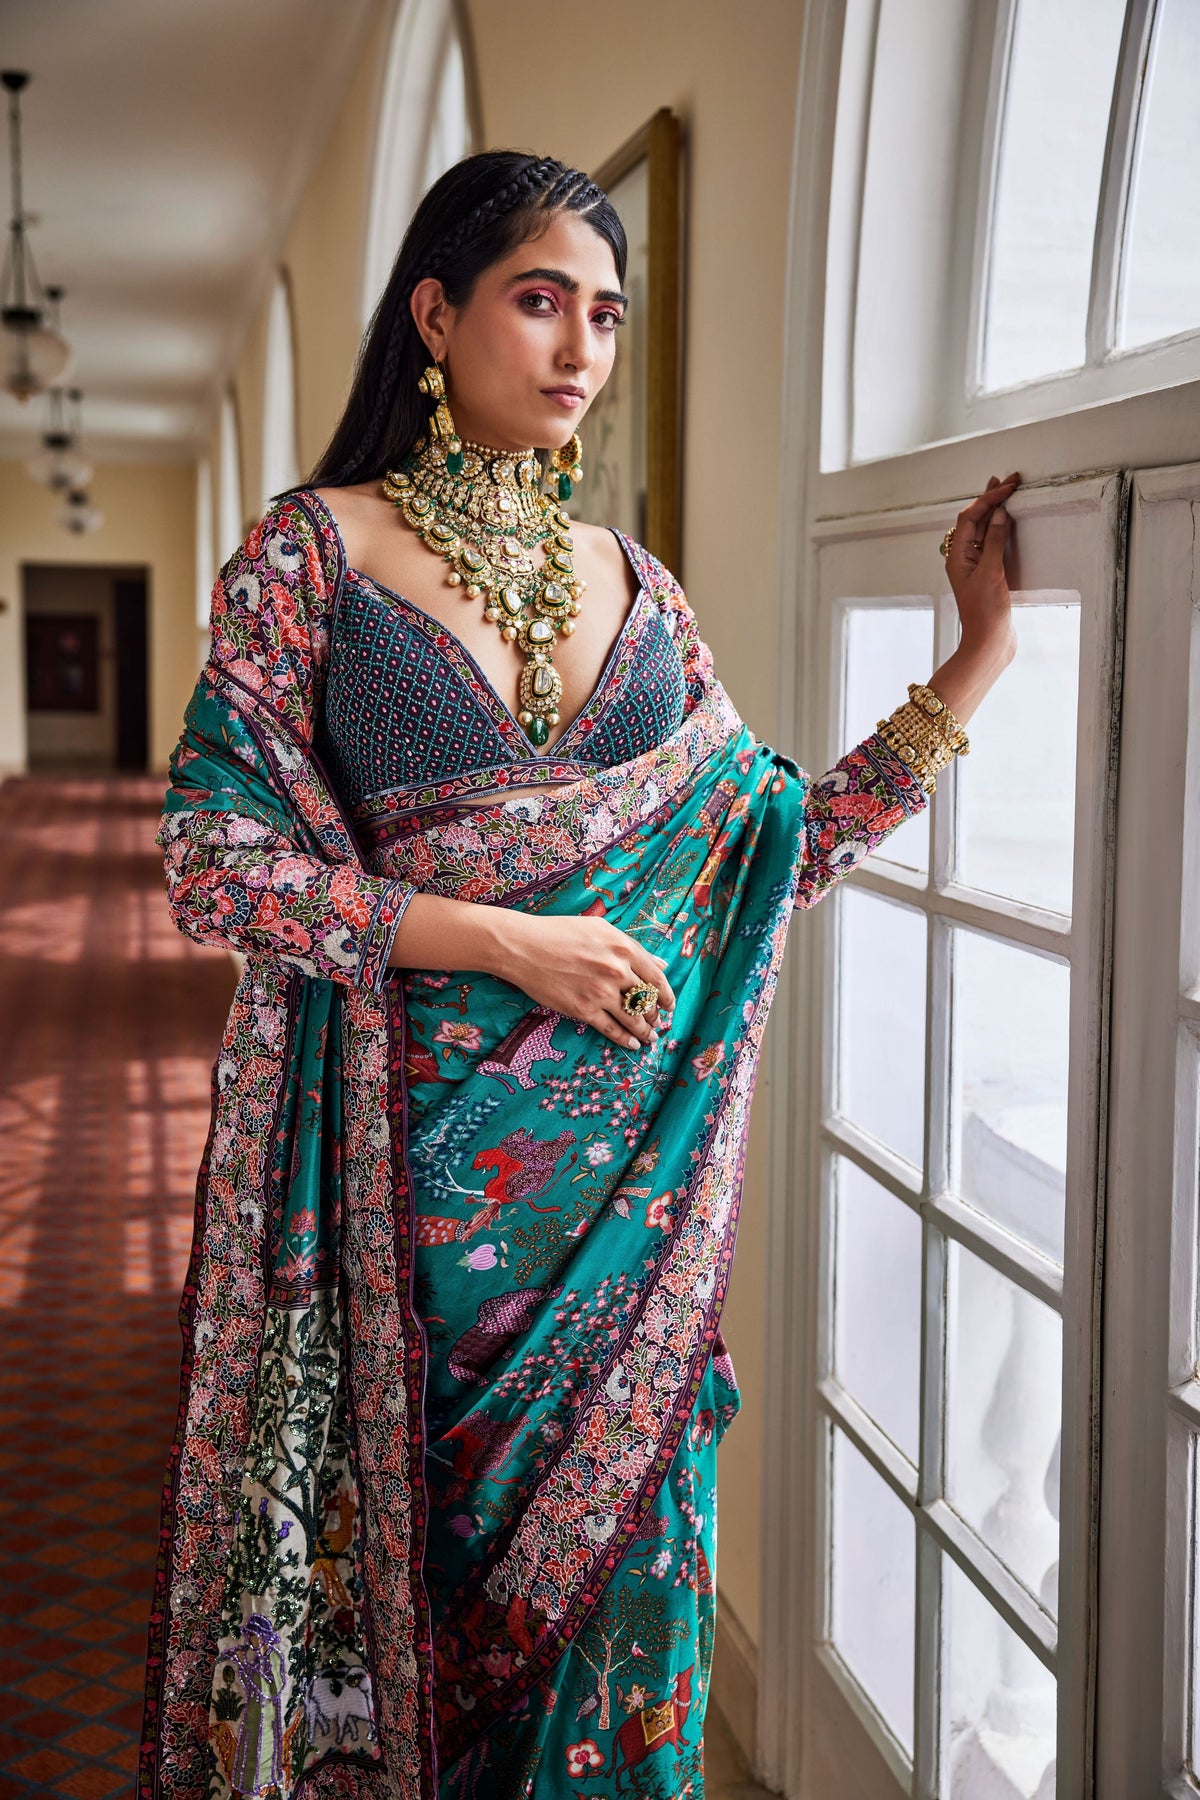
(302, 1632)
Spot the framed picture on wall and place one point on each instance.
(62, 660)
(631, 435)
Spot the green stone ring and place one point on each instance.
(639, 999)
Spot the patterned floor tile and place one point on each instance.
(102, 984)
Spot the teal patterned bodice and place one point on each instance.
(406, 703)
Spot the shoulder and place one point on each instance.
(296, 542)
(664, 587)
(603, 543)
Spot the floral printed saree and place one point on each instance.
(440, 1514)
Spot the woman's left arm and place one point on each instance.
(871, 791)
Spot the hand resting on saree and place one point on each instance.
(579, 967)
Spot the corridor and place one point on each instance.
(112, 1020)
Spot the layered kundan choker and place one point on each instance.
(483, 511)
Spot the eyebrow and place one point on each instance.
(563, 280)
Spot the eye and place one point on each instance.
(609, 312)
(537, 296)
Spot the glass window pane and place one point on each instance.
(873, 1587)
(1002, 1703)
(1003, 1417)
(881, 1020)
(1008, 1112)
(1160, 284)
(877, 1302)
(1060, 82)
(886, 648)
(1016, 806)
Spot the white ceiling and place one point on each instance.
(166, 143)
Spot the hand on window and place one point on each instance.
(975, 567)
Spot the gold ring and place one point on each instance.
(639, 999)
(946, 542)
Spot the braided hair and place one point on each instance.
(474, 214)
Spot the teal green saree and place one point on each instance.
(440, 1516)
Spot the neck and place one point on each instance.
(495, 488)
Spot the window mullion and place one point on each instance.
(929, 1735)
(1113, 205)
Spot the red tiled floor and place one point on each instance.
(92, 1782)
(103, 990)
(93, 1740)
(48, 1684)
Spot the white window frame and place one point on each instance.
(969, 85)
(230, 523)
(425, 33)
(1113, 1684)
(1147, 1591)
(280, 438)
(205, 526)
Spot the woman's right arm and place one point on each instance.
(576, 966)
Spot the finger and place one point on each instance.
(997, 531)
(653, 970)
(633, 1033)
(666, 993)
(991, 497)
(616, 1030)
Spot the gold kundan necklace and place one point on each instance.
(486, 515)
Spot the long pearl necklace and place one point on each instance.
(486, 521)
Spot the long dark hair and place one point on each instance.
(479, 210)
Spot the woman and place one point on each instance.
(440, 1514)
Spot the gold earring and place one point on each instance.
(441, 425)
(567, 464)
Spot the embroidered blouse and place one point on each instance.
(406, 725)
(407, 704)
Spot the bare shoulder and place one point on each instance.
(597, 541)
(600, 556)
(359, 512)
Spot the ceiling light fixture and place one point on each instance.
(79, 515)
(34, 354)
(60, 464)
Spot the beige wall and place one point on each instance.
(731, 76)
(149, 519)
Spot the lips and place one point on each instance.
(561, 392)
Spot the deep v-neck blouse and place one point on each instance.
(406, 704)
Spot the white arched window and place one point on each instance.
(1035, 245)
(424, 127)
(205, 572)
(981, 1561)
(280, 455)
(229, 481)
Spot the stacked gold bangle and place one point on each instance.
(924, 734)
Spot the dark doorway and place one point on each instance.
(132, 738)
(87, 681)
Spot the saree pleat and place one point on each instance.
(440, 1515)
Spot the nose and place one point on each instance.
(576, 352)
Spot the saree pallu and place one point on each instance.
(439, 1518)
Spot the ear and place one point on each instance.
(429, 307)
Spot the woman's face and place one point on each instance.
(544, 317)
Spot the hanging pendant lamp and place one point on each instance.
(34, 354)
(60, 464)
